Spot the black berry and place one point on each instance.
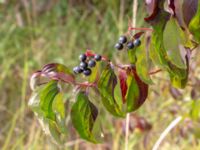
(87, 72)
(77, 69)
(97, 57)
(119, 46)
(130, 45)
(91, 63)
(122, 39)
(83, 65)
(82, 57)
(137, 42)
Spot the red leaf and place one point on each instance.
(150, 5)
(189, 10)
(123, 85)
(60, 76)
(142, 86)
(152, 9)
(138, 35)
(172, 6)
(175, 8)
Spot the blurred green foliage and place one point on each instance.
(36, 32)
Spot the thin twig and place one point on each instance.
(142, 29)
(135, 3)
(154, 72)
(166, 131)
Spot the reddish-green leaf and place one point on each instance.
(137, 91)
(158, 52)
(106, 85)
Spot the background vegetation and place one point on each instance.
(37, 32)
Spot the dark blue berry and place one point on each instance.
(137, 42)
(77, 69)
(119, 46)
(83, 65)
(82, 57)
(122, 39)
(97, 57)
(91, 63)
(130, 45)
(87, 72)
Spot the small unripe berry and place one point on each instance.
(97, 57)
(83, 65)
(130, 45)
(82, 57)
(91, 63)
(137, 42)
(122, 39)
(119, 46)
(87, 72)
(77, 69)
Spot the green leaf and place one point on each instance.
(58, 108)
(195, 111)
(34, 101)
(142, 63)
(106, 85)
(94, 76)
(158, 53)
(132, 95)
(47, 96)
(173, 37)
(83, 116)
(54, 131)
(194, 25)
(48, 105)
(132, 55)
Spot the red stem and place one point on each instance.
(86, 84)
(142, 29)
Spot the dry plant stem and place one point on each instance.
(166, 131)
(135, 3)
(154, 72)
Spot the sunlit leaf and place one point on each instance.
(106, 84)
(34, 101)
(132, 55)
(83, 116)
(95, 74)
(58, 108)
(173, 36)
(47, 96)
(143, 63)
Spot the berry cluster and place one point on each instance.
(123, 42)
(86, 63)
